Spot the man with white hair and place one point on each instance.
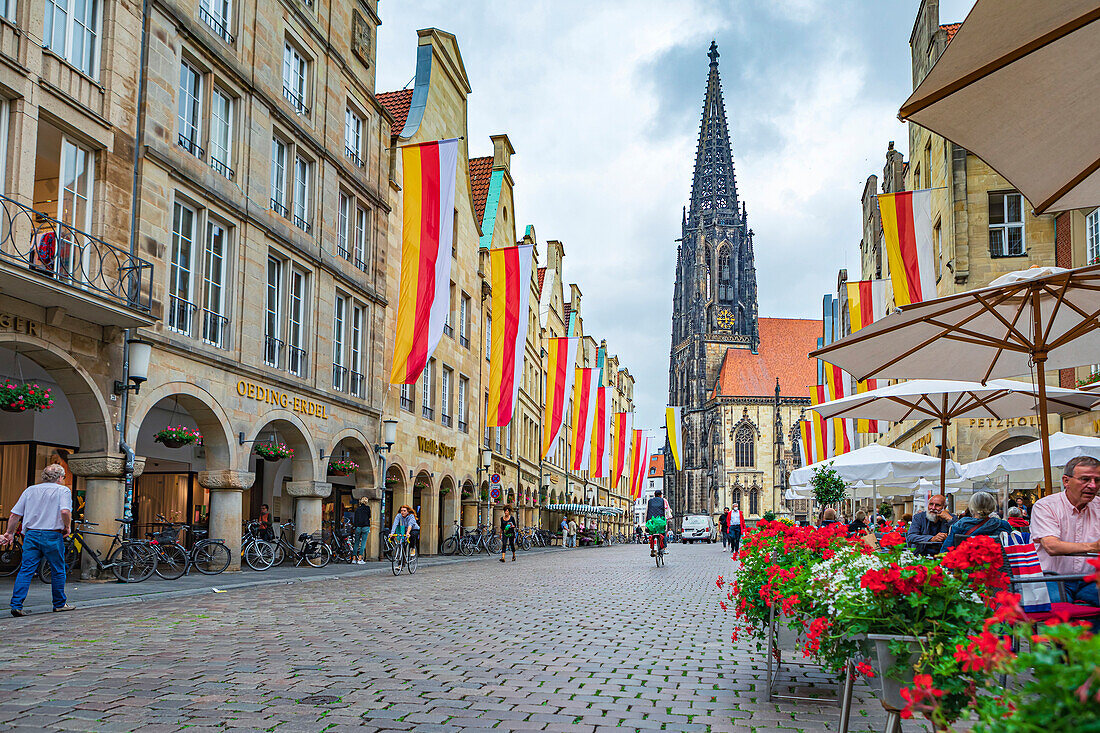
(46, 512)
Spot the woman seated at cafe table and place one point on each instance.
(982, 504)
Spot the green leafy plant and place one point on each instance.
(829, 487)
(15, 397)
(179, 434)
(769, 516)
(342, 467)
(273, 451)
(886, 510)
(485, 495)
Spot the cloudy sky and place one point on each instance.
(602, 102)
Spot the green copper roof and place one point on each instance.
(492, 202)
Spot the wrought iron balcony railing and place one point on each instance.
(296, 361)
(273, 351)
(215, 328)
(216, 24)
(221, 167)
(71, 258)
(191, 146)
(296, 100)
(406, 404)
(339, 377)
(357, 383)
(181, 315)
(353, 156)
(445, 420)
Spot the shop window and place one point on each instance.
(1006, 225)
(71, 30)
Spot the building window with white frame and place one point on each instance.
(295, 77)
(273, 321)
(353, 137)
(488, 336)
(76, 184)
(463, 390)
(448, 323)
(221, 132)
(216, 14)
(343, 224)
(302, 184)
(71, 30)
(1006, 225)
(297, 357)
(362, 232)
(339, 323)
(215, 324)
(181, 309)
(1092, 237)
(464, 321)
(190, 110)
(279, 152)
(407, 397)
(427, 409)
(445, 379)
(356, 381)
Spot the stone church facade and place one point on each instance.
(741, 379)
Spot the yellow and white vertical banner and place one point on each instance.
(674, 429)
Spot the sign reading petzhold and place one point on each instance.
(427, 445)
(270, 396)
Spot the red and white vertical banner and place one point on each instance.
(423, 296)
(621, 432)
(907, 230)
(561, 358)
(510, 275)
(601, 441)
(585, 392)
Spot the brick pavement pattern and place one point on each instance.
(588, 640)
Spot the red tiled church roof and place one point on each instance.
(481, 172)
(785, 345)
(952, 29)
(657, 464)
(397, 104)
(542, 279)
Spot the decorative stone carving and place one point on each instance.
(307, 489)
(102, 465)
(226, 479)
(360, 37)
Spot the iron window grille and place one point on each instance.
(273, 351)
(214, 328)
(217, 25)
(190, 146)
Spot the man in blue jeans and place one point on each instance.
(46, 512)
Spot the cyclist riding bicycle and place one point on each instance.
(657, 514)
(405, 522)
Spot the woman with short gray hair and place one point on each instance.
(982, 505)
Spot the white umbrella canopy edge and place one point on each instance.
(1027, 458)
(1039, 57)
(876, 462)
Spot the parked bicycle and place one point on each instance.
(256, 552)
(313, 551)
(341, 544)
(450, 545)
(403, 556)
(11, 558)
(481, 539)
(172, 559)
(208, 556)
(130, 561)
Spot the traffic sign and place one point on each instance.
(495, 493)
(495, 478)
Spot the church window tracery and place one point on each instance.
(725, 277)
(754, 501)
(744, 445)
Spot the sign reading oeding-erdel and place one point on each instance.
(287, 401)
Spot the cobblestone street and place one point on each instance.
(585, 640)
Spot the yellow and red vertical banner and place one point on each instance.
(863, 425)
(423, 296)
(601, 439)
(813, 445)
(510, 276)
(621, 432)
(673, 417)
(639, 459)
(561, 358)
(907, 229)
(585, 384)
(836, 384)
(866, 302)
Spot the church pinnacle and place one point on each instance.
(714, 187)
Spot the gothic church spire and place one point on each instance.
(714, 187)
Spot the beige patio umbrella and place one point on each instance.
(945, 400)
(1017, 86)
(1023, 323)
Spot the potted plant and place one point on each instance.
(273, 451)
(16, 397)
(445, 490)
(178, 436)
(828, 486)
(342, 467)
(465, 494)
(485, 495)
(886, 510)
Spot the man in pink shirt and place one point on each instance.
(1068, 523)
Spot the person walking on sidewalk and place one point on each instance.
(724, 521)
(46, 513)
(572, 533)
(361, 523)
(507, 533)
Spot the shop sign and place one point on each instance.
(1012, 422)
(285, 400)
(427, 445)
(499, 467)
(8, 322)
(923, 441)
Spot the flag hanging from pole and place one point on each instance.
(907, 229)
(620, 444)
(561, 357)
(866, 302)
(584, 408)
(601, 442)
(864, 425)
(510, 273)
(639, 455)
(673, 416)
(809, 442)
(423, 297)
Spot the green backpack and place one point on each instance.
(656, 525)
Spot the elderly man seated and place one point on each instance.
(1066, 527)
(929, 528)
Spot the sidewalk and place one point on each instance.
(92, 594)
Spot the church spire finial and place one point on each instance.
(713, 53)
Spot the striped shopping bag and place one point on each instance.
(1023, 563)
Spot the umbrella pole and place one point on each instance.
(1044, 429)
(943, 457)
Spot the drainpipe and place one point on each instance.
(139, 131)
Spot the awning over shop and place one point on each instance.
(585, 509)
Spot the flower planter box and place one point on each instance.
(12, 408)
(875, 649)
(172, 443)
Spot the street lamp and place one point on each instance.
(135, 370)
(389, 437)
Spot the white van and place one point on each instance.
(697, 528)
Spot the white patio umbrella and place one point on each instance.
(1016, 86)
(1025, 462)
(946, 400)
(1045, 317)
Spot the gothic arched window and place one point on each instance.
(725, 277)
(754, 501)
(744, 443)
(737, 499)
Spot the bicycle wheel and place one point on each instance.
(412, 560)
(72, 564)
(525, 544)
(495, 545)
(132, 562)
(318, 555)
(210, 557)
(449, 546)
(171, 561)
(10, 560)
(259, 555)
(466, 547)
(397, 560)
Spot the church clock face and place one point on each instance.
(725, 319)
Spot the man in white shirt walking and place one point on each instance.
(46, 512)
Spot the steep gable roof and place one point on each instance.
(481, 173)
(397, 104)
(785, 345)
(952, 29)
(542, 278)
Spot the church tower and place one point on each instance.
(714, 302)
